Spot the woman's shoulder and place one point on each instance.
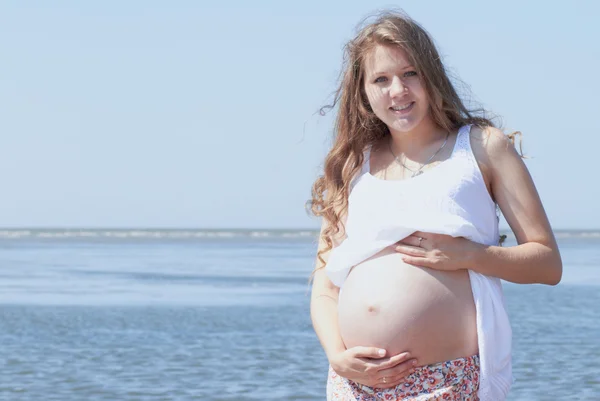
(492, 149)
(491, 145)
(490, 140)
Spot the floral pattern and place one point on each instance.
(456, 380)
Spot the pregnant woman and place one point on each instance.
(406, 300)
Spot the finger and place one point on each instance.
(401, 370)
(411, 250)
(412, 240)
(396, 381)
(397, 375)
(368, 352)
(418, 261)
(392, 361)
(389, 382)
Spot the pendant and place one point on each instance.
(417, 173)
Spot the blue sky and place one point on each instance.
(202, 114)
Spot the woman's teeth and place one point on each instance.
(400, 108)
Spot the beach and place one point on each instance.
(224, 315)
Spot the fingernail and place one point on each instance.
(381, 352)
(414, 362)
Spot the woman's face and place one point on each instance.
(394, 90)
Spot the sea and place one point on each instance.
(223, 315)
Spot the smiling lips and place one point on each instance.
(403, 108)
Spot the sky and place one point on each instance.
(200, 114)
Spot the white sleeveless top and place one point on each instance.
(450, 198)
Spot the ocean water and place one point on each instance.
(224, 315)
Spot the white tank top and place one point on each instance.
(450, 198)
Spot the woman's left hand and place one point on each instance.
(437, 251)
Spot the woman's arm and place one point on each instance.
(323, 306)
(536, 258)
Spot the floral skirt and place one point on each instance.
(456, 380)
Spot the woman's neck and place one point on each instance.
(413, 143)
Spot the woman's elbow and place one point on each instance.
(555, 270)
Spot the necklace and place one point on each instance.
(419, 171)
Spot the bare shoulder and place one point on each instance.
(492, 150)
(490, 143)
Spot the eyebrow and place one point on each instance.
(403, 68)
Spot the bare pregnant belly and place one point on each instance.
(389, 304)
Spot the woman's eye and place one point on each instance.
(406, 74)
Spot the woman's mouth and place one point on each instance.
(402, 109)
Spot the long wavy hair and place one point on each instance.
(356, 125)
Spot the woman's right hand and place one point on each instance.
(366, 366)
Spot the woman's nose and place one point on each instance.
(397, 87)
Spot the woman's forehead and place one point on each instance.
(384, 58)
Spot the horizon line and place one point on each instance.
(117, 228)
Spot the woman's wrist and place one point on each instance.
(476, 256)
(333, 353)
(335, 361)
